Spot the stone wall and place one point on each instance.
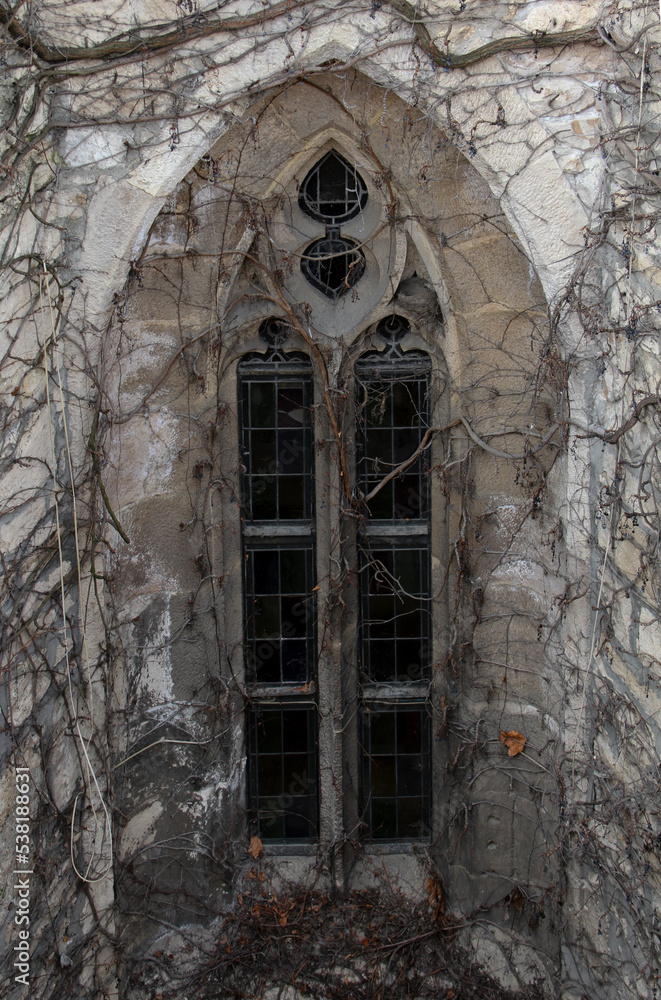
(518, 149)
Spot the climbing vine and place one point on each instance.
(88, 100)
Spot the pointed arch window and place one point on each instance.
(395, 594)
(393, 610)
(276, 394)
(333, 192)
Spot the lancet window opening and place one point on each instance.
(392, 388)
(276, 395)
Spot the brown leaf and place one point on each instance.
(517, 899)
(282, 919)
(256, 847)
(513, 740)
(435, 897)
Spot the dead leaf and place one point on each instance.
(513, 740)
(517, 899)
(256, 847)
(282, 919)
(435, 897)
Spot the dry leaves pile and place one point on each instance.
(365, 945)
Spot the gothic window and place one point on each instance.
(295, 683)
(333, 265)
(278, 570)
(395, 616)
(333, 191)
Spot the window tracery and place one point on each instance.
(392, 615)
(333, 192)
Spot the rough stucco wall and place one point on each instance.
(555, 186)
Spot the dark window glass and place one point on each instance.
(278, 585)
(395, 619)
(333, 192)
(279, 615)
(396, 772)
(282, 754)
(333, 265)
(395, 602)
(393, 421)
(277, 447)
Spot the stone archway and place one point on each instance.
(460, 249)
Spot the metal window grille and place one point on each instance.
(333, 192)
(276, 433)
(392, 389)
(333, 265)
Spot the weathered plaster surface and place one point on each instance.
(545, 175)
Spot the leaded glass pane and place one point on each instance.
(280, 618)
(277, 447)
(396, 772)
(282, 754)
(396, 613)
(393, 421)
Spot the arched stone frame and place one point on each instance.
(241, 336)
(107, 253)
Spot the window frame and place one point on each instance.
(280, 534)
(390, 366)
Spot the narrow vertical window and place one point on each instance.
(275, 390)
(277, 438)
(279, 644)
(395, 617)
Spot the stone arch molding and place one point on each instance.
(484, 321)
(543, 209)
